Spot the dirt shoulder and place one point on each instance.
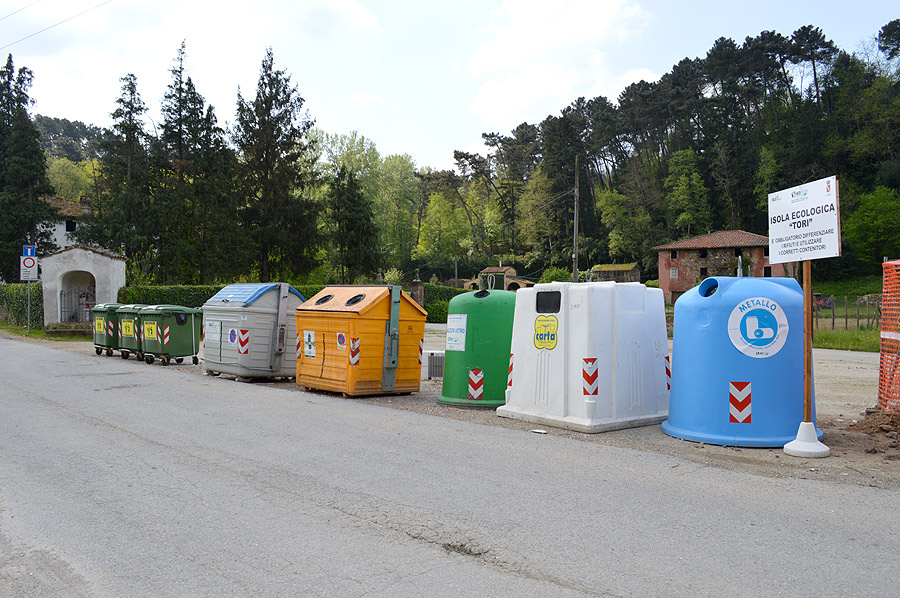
(864, 443)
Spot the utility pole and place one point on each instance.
(575, 236)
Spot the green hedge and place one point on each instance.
(435, 292)
(436, 297)
(14, 304)
(188, 296)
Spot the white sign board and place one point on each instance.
(309, 344)
(804, 222)
(456, 332)
(213, 331)
(28, 268)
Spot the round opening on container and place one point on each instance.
(355, 299)
(482, 294)
(324, 299)
(708, 287)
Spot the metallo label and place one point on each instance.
(758, 327)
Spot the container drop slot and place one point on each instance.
(708, 287)
(548, 302)
(355, 299)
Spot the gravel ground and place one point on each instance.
(865, 447)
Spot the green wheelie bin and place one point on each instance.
(106, 328)
(171, 333)
(130, 330)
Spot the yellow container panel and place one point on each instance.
(343, 351)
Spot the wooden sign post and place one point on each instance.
(804, 224)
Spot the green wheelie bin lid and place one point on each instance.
(171, 331)
(130, 328)
(106, 327)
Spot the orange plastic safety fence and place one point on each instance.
(889, 371)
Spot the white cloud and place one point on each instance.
(369, 97)
(327, 18)
(539, 57)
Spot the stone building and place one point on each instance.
(616, 272)
(76, 279)
(683, 264)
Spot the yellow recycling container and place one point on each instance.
(360, 340)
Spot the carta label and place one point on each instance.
(546, 332)
(758, 327)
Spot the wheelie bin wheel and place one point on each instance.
(148, 359)
(124, 354)
(98, 350)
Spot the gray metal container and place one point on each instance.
(250, 330)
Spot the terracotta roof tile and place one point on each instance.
(725, 238)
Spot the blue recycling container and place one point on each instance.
(737, 363)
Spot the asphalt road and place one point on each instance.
(121, 479)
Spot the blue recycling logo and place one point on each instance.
(759, 328)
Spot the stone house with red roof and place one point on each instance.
(683, 264)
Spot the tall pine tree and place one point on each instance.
(23, 178)
(276, 170)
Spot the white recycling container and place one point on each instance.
(589, 357)
(249, 330)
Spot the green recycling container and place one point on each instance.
(171, 332)
(130, 330)
(106, 328)
(476, 360)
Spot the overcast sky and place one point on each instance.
(422, 78)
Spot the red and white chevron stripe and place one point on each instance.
(668, 374)
(120, 328)
(509, 376)
(299, 344)
(476, 384)
(590, 374)
(110, 329)
(421, 348)
(243, 342)
(165, 335)
(739, 399)
(354, 351)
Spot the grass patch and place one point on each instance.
(852, 287)
(40, 334)
(863, 339)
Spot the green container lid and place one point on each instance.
(171, 331)
(479, 335)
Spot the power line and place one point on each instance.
(549, 201)
(15, 12)
(66, 20)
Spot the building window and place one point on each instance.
(767, 271)
(703, 254)
(673, 254)
(738, 252)
(70, 225)
(704, 272)
(766, 251)
(673, 273)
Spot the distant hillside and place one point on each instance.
(64, 138)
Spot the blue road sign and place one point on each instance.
(28, 251)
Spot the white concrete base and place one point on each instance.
(581, 424)
(807, 443)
